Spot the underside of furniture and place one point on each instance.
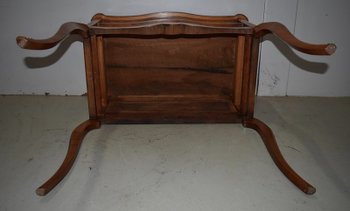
(172, 67)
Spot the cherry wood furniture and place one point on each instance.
(172, 67)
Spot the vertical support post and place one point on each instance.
(238, 74)
(96, 75)
(245, 77)
(249, 77)
(254, 56)
(89, 79)
(102, 74)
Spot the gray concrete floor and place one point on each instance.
(175, 167)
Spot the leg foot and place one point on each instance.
(270, 142)
(73, 149)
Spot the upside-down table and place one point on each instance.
(172, 67)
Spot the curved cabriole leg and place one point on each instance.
(73, 149)
(281, 31)
(270, 142)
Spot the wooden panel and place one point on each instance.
(175, 17)
(162, 81)
(170, 79)
(169, 23)
(170, 109)
(169, 66)
(168, 117)
(207, 53)
(170, 103)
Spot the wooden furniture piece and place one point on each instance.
(172, 67)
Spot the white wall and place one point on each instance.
(327, 21)
(61, 70)
(294, 73)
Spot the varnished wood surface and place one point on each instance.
(284, 34)
(169, 66)
(73, 149)
(169, 23)
(170, 70)
(237, 79)
(166, 81)
(201, 53)
(172, 67)
(169, 18)
(270, 142)
(89, 77)
(65, 30)
(161, 16)
(171, 109)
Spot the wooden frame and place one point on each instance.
(172, 67)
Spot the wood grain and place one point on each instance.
(172, 67)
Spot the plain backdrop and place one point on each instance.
(60, 71)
